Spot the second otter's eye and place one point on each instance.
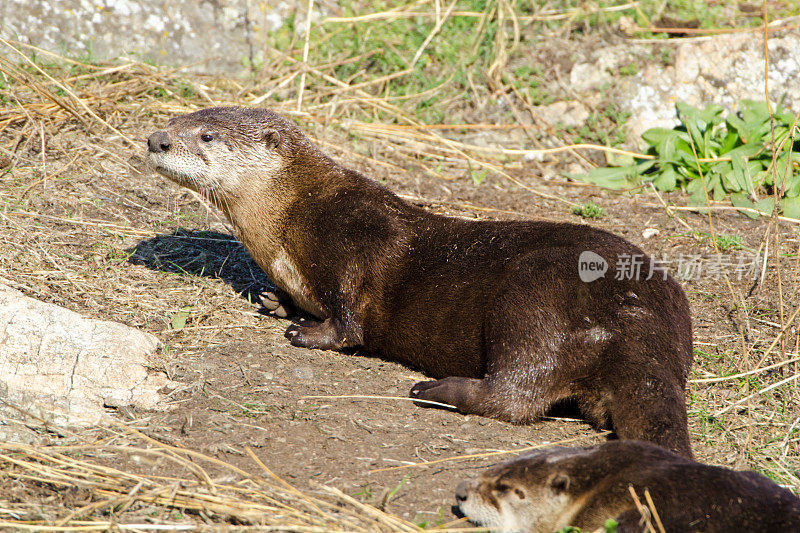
(207, 137)
(501, 487)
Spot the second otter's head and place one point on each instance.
(222, 152)
(533, 493)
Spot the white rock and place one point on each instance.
(649, 232)
(601, 69)
(569, 114)
(64, 368)
(588, 76)
(724, 70)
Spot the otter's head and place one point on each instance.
(221, 152)
(533, 493)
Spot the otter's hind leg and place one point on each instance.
(523, 352)
(527, 348)
(462, 393)
(490, 396)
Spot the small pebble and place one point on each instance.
(303, 373)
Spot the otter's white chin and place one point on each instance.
(153, 163)
(485, 515)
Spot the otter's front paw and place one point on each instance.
(308, 334)
(276, 303)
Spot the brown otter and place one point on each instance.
(583, 487)
(497, 310)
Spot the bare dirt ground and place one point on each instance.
(85, 227)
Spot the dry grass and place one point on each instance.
(76, 214)
(255, 497)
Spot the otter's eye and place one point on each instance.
(502, 487)
(206, 137)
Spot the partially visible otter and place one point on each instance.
(559, 487)
(495, 310)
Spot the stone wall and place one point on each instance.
(211, 35)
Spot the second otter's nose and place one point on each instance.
(158, 142)
(462, 490)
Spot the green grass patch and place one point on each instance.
(691, 14)
(604, 127)
(589, 210)
(729, 242)
(463, 49)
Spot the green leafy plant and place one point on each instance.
(714, 157)
(477, 177)
(609, 527)
(629, 70)
(528, 79)
(589, 210)
(178, 320)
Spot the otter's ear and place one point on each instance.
(271, 138)
(560, 482)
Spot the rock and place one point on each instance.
(627, 25)
(723, 70)
(649, 232)
(303, 373)
(568, 114)
(61, 367)
(15, 432)
(602, 69)
(587, 76)
(650, 107)
(575, 168)
(214, 35)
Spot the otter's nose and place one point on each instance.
(158, 142)
(462, 490)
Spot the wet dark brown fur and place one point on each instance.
(583, 487)
(494, 310)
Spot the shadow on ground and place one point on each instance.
(203, 254)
